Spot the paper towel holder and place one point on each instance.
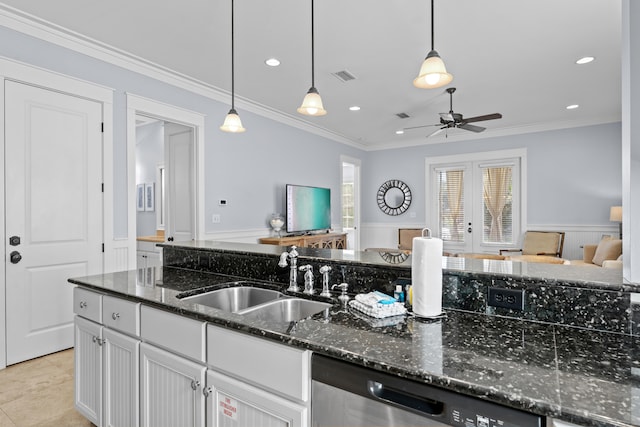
(428, 232)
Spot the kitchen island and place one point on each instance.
(575, 374)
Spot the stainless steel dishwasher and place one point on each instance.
(347, 395)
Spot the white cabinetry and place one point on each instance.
(88, 369)
(106, 359)
(148, 254)
(172, 370)
(171, 388)
(273, 392)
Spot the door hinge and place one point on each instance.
(103, 247)
(102, 187)
(102, 127)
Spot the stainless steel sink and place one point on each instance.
(235, 299)
(285, 310)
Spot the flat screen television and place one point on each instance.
(308, 208)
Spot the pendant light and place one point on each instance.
(232, 121)
(433, 73)
(312, 103)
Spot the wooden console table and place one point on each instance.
(324, 240)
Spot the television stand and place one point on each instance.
(321, 240)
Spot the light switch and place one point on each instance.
(216, 219)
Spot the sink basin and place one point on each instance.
(286, 310)
(235, 299)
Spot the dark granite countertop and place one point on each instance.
(580, 376)
(591, 276)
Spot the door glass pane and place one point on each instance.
(451, 205)
(347, 195)
(497, 206)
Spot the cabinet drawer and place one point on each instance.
(121, 314)
(282, 369)
(87, 304)
(176, 333)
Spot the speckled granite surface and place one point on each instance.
(587, 297)
(582, 376)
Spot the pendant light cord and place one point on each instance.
(233, 107)
(313, 78)
(432, 31)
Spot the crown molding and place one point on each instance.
(33, 26)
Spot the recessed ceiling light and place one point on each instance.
(399, 132)
(585, 60)
(272, 62)
(354, 108)
(572, 106)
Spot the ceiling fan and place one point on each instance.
(456, 120)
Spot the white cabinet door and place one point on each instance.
(232, 403)
(171, 389)
(88, 369)
(121, 380)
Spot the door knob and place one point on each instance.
(170, 239)
(14, 240)
(469, 230)
(15, 257)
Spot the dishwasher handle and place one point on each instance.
(404, 400)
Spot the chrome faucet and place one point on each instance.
(308, 278)
(324, 270)
(292, 255)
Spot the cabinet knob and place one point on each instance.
(83, 304)
(115, 316)
(207, 391)
(195, 384)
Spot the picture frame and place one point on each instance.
(149, 197)
(140, 197)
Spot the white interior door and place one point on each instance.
(179, 162)
(53, 197)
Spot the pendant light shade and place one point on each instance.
(433, 72)
(232, 121)
(312, 103)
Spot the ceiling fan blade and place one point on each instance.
(423, 126)
(482, 118)
(472, 128)
(436, 132)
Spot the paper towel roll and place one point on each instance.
(426, 276)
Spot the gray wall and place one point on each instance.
(249, 170)
(574, 175)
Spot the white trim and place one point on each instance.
(28, 74)
(33, 26)
(357, 179)
(159, 110)
(52, 33)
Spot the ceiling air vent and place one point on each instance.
(344, 76)
(402, 115)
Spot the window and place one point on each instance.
(474, 200)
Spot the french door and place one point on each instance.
(475, 206)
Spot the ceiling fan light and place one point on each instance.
(232, 123)
(312, 104)
(433, 73)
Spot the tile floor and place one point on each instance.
(39, 392)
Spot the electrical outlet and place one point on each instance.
(215, 218)
(507, 298)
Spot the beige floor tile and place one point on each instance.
(40, 392)
(5, 421)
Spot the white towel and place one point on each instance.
(369, 305)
